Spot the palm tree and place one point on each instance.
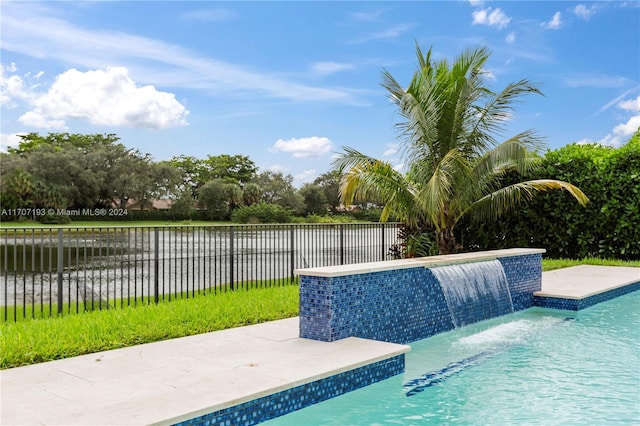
(454, 162)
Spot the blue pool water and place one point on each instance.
(537, 366)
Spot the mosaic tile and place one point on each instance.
(287, 401)
(399, 306)
(578, 304)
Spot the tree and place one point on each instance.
(182, 208)
(219, 198)
(454, 162)
(59, 141)
(192, 173)
(81, 171)
(231, 168)
(195, 172)
(72, 163)
(274, 185)
(314, 199)
(330, 184)
(251, 194)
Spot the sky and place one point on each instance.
(290, 84)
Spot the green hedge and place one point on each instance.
(609, 227)
(261, 213)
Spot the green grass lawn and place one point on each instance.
(40, 340)
(45, 339)
(551, 264)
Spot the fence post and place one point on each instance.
(231, 259)
(156, 264)
(383, 242)
(342, 243)
(60, 267)
(292, 257)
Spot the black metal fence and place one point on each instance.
(53, 271)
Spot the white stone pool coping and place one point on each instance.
(417, 262)
(580, 282)
(175, 380)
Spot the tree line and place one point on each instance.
(91, 171)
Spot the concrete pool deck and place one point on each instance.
(579, 282)
(179, 379)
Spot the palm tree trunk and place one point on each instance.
(446, 241)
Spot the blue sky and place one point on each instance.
(290, 83)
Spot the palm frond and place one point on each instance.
(437, 190)
(513, 154)
(492, 117)
(494, 205)
(367, 179)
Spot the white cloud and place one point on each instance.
(630, 105)
(490, 75)
(372, 16)
(584, 12)
(555, 22)
(389, 33)
(15, 87)
(39, 120)
(629, 128)
(278, 168)
(33, 30)
(617, 100)
(392, 149)
(304, 147)
(511, 38)
(104, 97)
(476, 2)
(211, 15)
(490, 17)
(595, 80)
(8, 140)
(322, 69)
(623, 131)
(304, 177)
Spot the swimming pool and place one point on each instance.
(538, 366)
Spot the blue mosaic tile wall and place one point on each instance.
(576, 305)
(281, 403)
(399, 306)
(524, 275)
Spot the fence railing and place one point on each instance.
(56, 271)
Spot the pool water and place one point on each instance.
(538, 366)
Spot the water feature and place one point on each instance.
(405, 300)
(474, 291)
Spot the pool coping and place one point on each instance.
(583, 281)
(176, 380)
(415, 262)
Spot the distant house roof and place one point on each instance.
(153, 204)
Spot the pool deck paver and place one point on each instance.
(579, 282)
(178, 379)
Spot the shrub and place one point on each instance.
(261, 213)
(608, 227)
